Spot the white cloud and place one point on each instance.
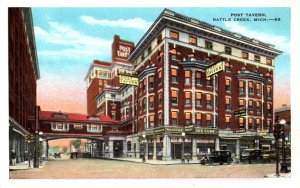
(70, 43)
(280, 42)
(136, 23)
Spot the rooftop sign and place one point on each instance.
(214, 69)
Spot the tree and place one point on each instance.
(76, 144)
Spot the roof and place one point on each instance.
(62, 116)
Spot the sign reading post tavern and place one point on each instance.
(214, 69)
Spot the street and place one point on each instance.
(97, 168)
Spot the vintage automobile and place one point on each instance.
(221, 157)
(251, 155)
(269, 155)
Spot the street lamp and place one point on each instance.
(283, 165)
(182, 150)
(144, 143)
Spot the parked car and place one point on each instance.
(251, 155)
(221, 157)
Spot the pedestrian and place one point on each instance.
(13, 158)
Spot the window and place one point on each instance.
(94, 128)
(227, 67)
(258, 107)
(269, 107)
(141, 106)
(228, 104)
(173, 53)
(144, 85)
(113, 114)
(228, 85)
(193, 40)
(160, 99)
(241, 103)
(159, 77)
(208, 82)
(250, 106)
(258, 89)
(245, 55)
(159, 38)
(144, 104)
(145, 122)
(160, 119)
(257, 58)
(228, 50)
(198, 78)
(208, 101)
(174, 118)
(198, 119)
(250, 123)
(174, 95)
(128, 146)
(269, 123)
(208, 120)
(269, 93)
(149, 49)
(174, 35)
(269, 62)
(241, 87)
(250, 86)
(241, 123)
(187, 99)
(257, 123)
(187, 77)
(174, 76)
(208, 45)
(151, 83)
(198, 99)
(151, 102)
(227, 122)
(59, 126)
(187, 118)
(151, 121)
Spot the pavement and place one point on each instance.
(25, 165)
(155, 162)
(281, 175)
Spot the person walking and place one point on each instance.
(13, 158)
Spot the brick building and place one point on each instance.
(213, 85)
(23, 73)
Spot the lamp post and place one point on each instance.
(144, 144)
(283, 165)
(182, 149)
(36, 149)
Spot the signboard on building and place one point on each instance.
(241, 130)
(130, 80)
(206, 131)
(240, 113)
(214, 69)
(190, 128)
(123, 51)
(78, 126)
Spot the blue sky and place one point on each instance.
(68, 39)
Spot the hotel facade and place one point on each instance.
(200, 88)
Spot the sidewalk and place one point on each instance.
(154, 162)
(281, 175)
(24, 165)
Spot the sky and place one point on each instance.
(69, 39)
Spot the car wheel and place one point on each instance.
(228, 161)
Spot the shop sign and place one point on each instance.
(150, 132)
(190, 128)
(242, 130)
(206, 131)
(173, 130)
(130, 80)
(214, 69)
(78, 126)
(123, 51)
(263, 132)
(160, 130)
(240, 113)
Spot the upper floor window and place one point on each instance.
(228, 85)
(188, 98)
(228, 104)
(269, 62)
(174, 118)
(198, 99)
(173, 53)
(208, 82)
(250, 86)
(160, 99)
(144, 104)
(159, 77)
(188, 118)
(241, 103)
(250, 123)
(227, 67)
(174, 35)
(258, 123)
(151, 121)
(187, 77)
(269, 93)
(250, 106)
(149, 49)
(241, 122)
(241, 87)
(151, 83)
(174, 75)
(228, 50)
(227, 122)
(258, 89)
(174, 95)
(258, 107)
(245, 55)
(159, 38)
(257, 58)
(208, 120)
(151, 102)
(193, 40)
(208, 101)
(198, 119)
(160, 119)
(198, 78)
(269, 107)
(208, 45)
